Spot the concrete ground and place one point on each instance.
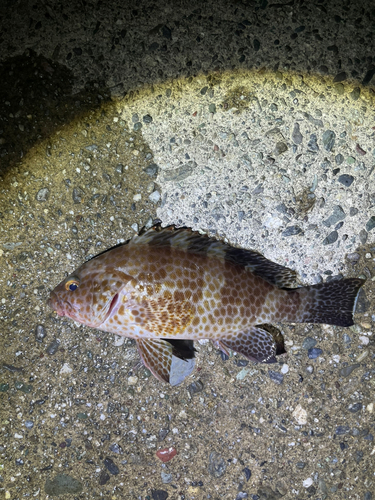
(251, 121)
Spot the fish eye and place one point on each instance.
(72, 284)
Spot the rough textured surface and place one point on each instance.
(252, 121)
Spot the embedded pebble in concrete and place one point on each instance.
(199, 116)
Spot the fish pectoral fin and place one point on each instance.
(168, 361)
(256, 344)
(156, 355)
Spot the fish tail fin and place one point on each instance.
(332, 303)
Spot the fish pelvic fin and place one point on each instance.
(256, 344)
(332, 303)
(169, 362)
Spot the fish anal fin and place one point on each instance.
(256, 344)
(156, 355)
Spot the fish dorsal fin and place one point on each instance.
(165, 361)
(200, 244)
(256, 344)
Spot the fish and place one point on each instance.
(168, 287)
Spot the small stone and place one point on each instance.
(342, 429)
(284, 369)
(147, 119)
(151, 170)
(300, 415)
(347, 370)
(339, 159)
(360, 151)
(308, 343)
(370, 224)
(301, 465)
(314, 352)
(329, 140)
(155, 197)
(137, 126)
(166, 477)
(212, 108)
(166, 454)
(42, 194)
(292, 231)
(313, 143)
(103, 478)
(217, 465)
(40, 333)
(296, 134)
(353, 211)
(350, 160)
(195, 387)
(159, 495)
(77, 195)
(363, 235)
(354, 407)
(29, 424)
(331, 238)
(62, 484)
(111, 466)
(280, 148)
(247, 473)
(132, 380)
(53, 347)
(346, 180)
(180, 173)
(307, 482)
(355, 93)
(276, 376)
(337, 215)
(309, 369)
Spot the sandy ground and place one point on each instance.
(251, 121)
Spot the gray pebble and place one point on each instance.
(180, 173)
(154, 197)
(339, 159)
(159, 495)
(147, 119)
(337, 215)
(353, 211)
(216, 465)
(120, 168)
(77, 195)
(195, 387)
(212, 108)
(313, 144)
(347, 370)
(166, 477)
(355, 93)
(163, 433)
(342, 429)
(62, 484)
(115, 448)
(280, 148)
(247, 473)
(363, 235)
(314, 352)
(329, 140)
(29, 424)
(340, 77)
(301, 465)
(276, 376)
(53, 347)
(92, 147)
(137, 126)
(42, 194)
(152, 170)
(346, 180)
(370, 224)
(292, 231)
(296, 134)
(111, 466)
(135, 118)
(103, 478)
(40, 333)
(331, 238)
(354, 407)
(308, 343)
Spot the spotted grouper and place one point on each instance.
(167, 287)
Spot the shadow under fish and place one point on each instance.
(167, 287)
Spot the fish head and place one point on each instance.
(89, 295)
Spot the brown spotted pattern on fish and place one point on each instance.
(177, 284)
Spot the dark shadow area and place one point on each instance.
(51, 53)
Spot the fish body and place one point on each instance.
(168, 287)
